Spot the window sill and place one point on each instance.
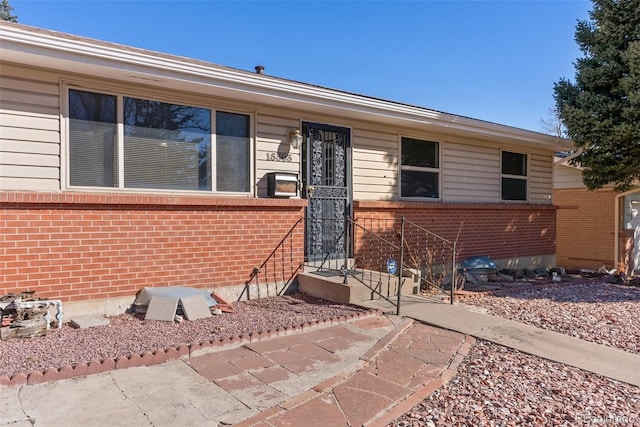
(112, 199)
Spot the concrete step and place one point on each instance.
(330, 285)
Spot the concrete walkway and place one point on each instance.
(372, 369)
(368, 371)
(607, 361)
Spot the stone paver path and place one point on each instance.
(395, 375)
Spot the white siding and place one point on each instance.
(470, 173)
(30, 146)
(273, 152)
(30, 130)
(375, 165)
(540, 184)
(567, 177)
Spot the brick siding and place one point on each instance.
(93, 246)
(75, 247)
(495, 230)
(585, 228)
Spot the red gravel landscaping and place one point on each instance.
(497, 386)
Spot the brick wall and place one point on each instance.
(78, 247)
(496, 230)
(82, 246)
(585, 228)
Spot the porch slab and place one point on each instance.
(332, 287)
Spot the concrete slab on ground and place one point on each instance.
(599, 359)
(88, 321)
(162, 308)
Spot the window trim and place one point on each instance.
(525, 178)
(437, 170)
(122, 91)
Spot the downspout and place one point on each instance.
(616, 243)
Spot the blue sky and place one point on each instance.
(490, 60)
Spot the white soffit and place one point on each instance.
(43, 48)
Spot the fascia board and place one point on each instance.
(26, 41)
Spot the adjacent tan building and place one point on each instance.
(594, 228)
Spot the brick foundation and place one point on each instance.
(78, 247)
(73, 246)
(499, 231)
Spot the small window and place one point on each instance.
(514, 176)
(419, 169)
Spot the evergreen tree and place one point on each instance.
(5, 12)
(601, 110)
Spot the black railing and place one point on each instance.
(383, 254)
(431, 259)
(374, 261)
(278, 270)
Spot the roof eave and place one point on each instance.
(37, 47)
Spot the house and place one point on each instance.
(594, 228)
(122, 168)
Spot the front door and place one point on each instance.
(326, 183)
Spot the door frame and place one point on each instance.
(305, 164)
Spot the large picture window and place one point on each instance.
(164, 146)
(419, 168)
(514, 176)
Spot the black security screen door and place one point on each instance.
(327, 186)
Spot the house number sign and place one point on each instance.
(273, 156)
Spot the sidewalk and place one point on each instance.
(346, 374)
(600, 359)
(368, 371)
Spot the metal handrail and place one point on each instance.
(427, 231)
(391, 245)
(376, 265)
(255, 273)
(384, 245)
(452, 247)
